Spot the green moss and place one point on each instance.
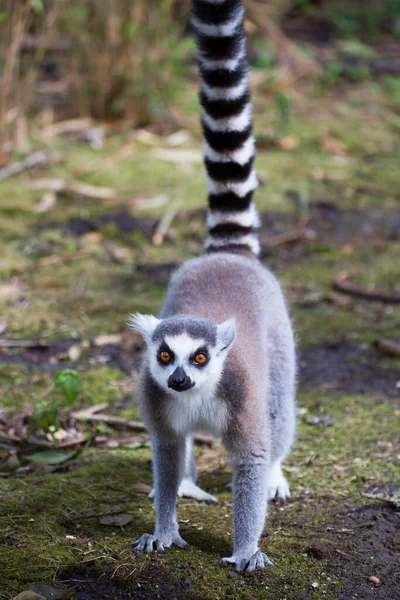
(328, 466)
(19, 386)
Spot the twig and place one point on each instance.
(77, 187)
(346, 287)
(283, 238)
(110, 161)
(39, 343)
(91, 191)
(46, 392)
(259, 16)
(388, 347)
(90, 414)
(54, 259)
(38, 158)
(70, 126)
(163, 226)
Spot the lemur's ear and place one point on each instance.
(226, 334)
(144, 324)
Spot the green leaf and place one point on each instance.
(76, 13)
(129, 30)
(37, 6)
(71, 390)
(3, 16)
(51, 457)
(61, 376)
(11, 464)
(68, 381)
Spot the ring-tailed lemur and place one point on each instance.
(221, 355)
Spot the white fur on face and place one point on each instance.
(199, 407)
(144, 324)
(205, 378)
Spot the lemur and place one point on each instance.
(221, 355)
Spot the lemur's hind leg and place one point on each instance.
(277, 486)
(187, 487)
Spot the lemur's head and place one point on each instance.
(185, 352)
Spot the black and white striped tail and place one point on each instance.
(227, 124)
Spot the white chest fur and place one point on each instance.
(191, 411)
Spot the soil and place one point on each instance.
(330, 224)
(364, 542)
(120, 218)
(350, 368)
(155, 582)
(373, 551)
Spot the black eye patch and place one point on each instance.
(203, 352)
(164, 349)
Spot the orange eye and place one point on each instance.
(200, 358)
(165, 356)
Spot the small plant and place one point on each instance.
(46, 411)
(331, 75)
(284, 110)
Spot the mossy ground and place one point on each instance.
(86, 296)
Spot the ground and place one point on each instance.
(73, 271)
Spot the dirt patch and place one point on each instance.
(355, 369)
(158, 273)
(331, 224)
(351, 368)
(156, 581)
(122, 220)
(372, 551)
(54, 355)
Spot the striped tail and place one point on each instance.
(229, 148)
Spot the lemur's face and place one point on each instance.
(185, 353)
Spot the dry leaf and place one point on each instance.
(91, 239)
(29, 595)
(333, 145)
(74, 352)
(155, 202)
(346, 249)
(142, 488)
(120, 519)
(103, 340)
(178, 138)
(288, 142)
(185, 157)
(9, 289)
(47, 202)
(71, 540)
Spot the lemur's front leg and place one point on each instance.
(167, 473)
(250, 499)
(187, 487)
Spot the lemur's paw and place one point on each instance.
(188, 489)
(258, 560)
(150, 543)
(278, 487)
